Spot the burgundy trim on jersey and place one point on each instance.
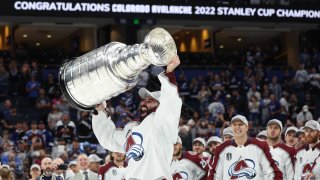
(265, 147)
(292, 151)
(216, 158)
(104, 168)
(261, 144)
(172, 78)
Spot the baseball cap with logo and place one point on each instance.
(199, 139)
(144, 93)
(94, 158)
(179, 141)
(227, 131)
(35, 166)
(312, 124)
(275, 121)
(262, 133)
(241, 118)
(214, 139)
(291, 128)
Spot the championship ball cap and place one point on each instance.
(291, 128)
(312, 124)
(199, 139)
(241, 118)
(275, 121)
(144, 93)
(214, 139)
(227, 131)
(262, 133)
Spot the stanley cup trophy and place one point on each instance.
(113, 69)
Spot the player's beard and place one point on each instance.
(312, 139)
(146, 112)
(274, 139)
(47, 172)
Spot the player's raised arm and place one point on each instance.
(105, 130)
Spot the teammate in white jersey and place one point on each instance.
(307, 154)
(115, 169)
(185, 168)
(281, 153)
(148, 146)
(243, 157)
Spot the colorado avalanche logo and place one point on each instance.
(242, 168)
(307, 168)
(133, 146)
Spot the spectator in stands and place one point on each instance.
(217, 87)
(24, 78)
(314, 78)
(88, 149)
(14, 78)
(304, 115)
(6, 144)
(43, 104)
(84, 129)
(51, 86)
(293, 106)
(59, 149)
(11, 120)
(56, 171)
(203, 97)
(37, 149)
(46, 135)
(84, 173)
(4, 82)
(18, 133)
(301, 77)
(32, 88)
(254, 110)
(274, 107)
(53, 117)
(33, 131)
(62, 104)
(15, 162)
(47, 170)
(95, 162)
(275, 87)
(5, 110)
(35, 172)
(253, 91)
(65, 128)
(239, 102)
(215, 108)
(183, 87)
(75, 149)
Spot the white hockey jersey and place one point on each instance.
(148, 146)
(305, 160)
(284, 157)
(250, 161)
(111, 172)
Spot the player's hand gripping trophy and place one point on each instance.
(112, 69)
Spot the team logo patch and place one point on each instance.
(228, 156)
(242, 168)
(114, 172)
(306, 169)
(133, 146)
